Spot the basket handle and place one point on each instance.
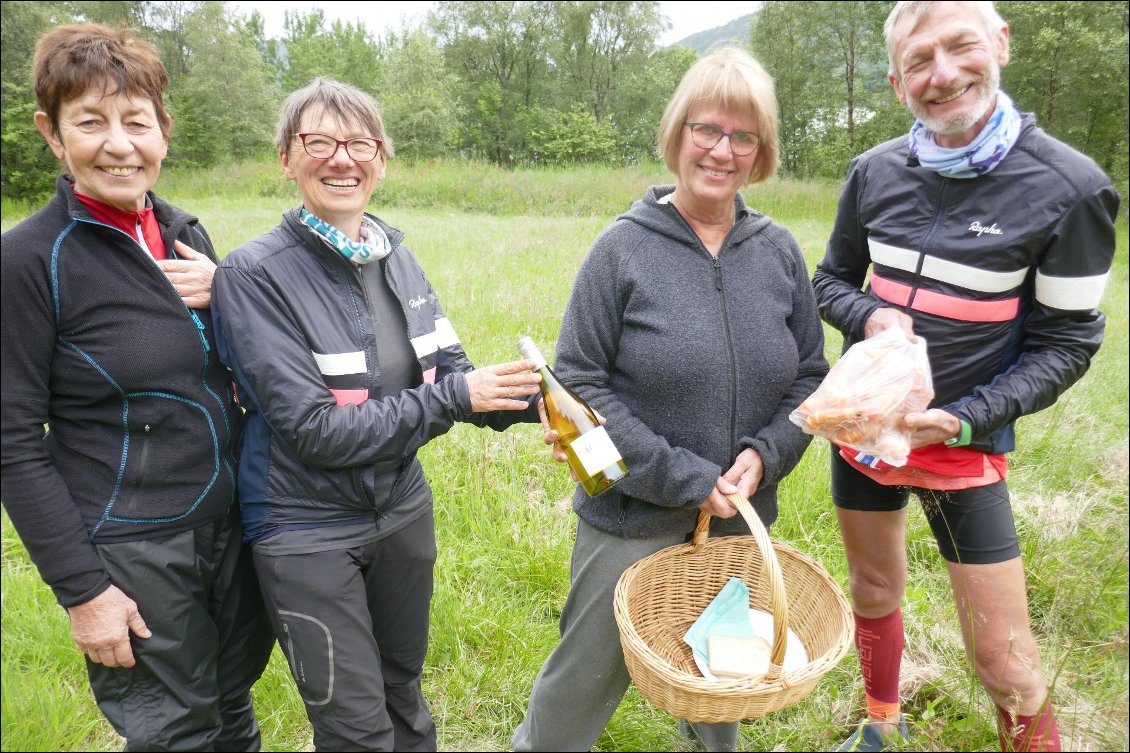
(778, 600)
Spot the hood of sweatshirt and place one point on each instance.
(656, 213)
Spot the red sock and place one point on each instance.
(1029, 733)
(880, 643)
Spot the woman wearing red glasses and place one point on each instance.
(346, 366)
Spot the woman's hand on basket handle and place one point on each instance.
(742, 478)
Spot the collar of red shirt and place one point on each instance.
(129, 223)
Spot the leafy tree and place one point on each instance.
(525, 66)
(345, 52)
(168, 25)
(782, 34)
(271, 50)
(605, 61)
(498, 50)
(643, 97)
(226, 106)
(598, 43)
(130, 13)
(1069, 66)
(838, 103)
(27, 166)
(419, 102)
(483, 127)
(854, 31)
(565, 138)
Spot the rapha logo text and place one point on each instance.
(418, 302)
(978, 228)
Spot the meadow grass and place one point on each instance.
(505, 527)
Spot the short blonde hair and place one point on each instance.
(733, 80)
(348, 103)
(915, 9)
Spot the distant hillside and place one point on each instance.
(735, 31)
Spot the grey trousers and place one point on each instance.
(191, 686)
(583, 680)
(353, 624)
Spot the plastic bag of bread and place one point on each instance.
(862, 401)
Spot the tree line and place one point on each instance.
(553, 83)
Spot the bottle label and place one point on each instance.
(595, 450)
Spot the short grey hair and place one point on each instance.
(918, 8)
(348, 103)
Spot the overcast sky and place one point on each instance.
(380, 17)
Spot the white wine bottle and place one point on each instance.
(592, 455)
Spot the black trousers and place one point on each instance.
(353, 624)
(191, 686)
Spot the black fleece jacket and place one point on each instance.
(98, 346)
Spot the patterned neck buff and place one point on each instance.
(976, 158)
(373, 245)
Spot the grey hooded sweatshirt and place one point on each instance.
(691, 359)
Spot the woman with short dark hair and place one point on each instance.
(127, 503)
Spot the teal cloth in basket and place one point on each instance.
(727, 614)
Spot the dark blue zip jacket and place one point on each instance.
(1002, 274)
(325, 445)
(98, 346)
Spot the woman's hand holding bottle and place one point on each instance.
(503, 386)
(574, 429)
(551, 435)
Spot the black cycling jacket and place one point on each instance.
(1002, 274)
(324, 444)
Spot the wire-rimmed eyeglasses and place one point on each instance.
(707, 136)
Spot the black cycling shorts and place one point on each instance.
(972, 526)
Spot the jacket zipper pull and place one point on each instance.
(717, 273)
(200, 330)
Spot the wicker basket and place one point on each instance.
(659, 598)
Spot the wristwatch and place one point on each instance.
(963, 437)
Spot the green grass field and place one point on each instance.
(501, 249)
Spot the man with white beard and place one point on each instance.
(992, 241)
